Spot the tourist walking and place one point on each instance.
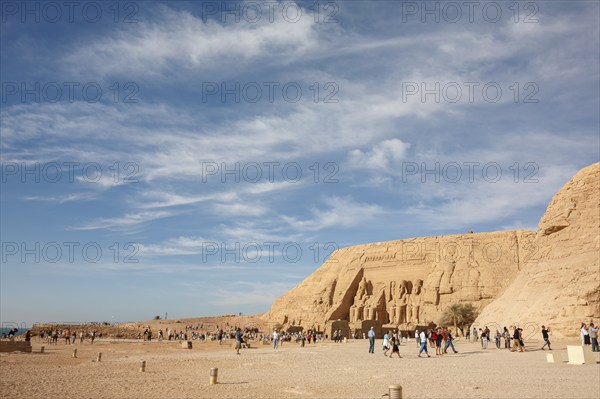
(593, 330)
(546, 338)
(417, 340)
(443, 332)
(517, 340)
(238, 340)
(386, 344)
(484, 339)
(506, 335)
(449, 342)
(276, 340)
(395, 348)
(371, 336)
(423, 339)
(497, 338)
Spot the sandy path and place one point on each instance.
(325, 370)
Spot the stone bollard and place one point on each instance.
(42, 349)
(99, 357)
(142, 366)
(345, 340)
(395, 391)
(75, 352)
(214, 373)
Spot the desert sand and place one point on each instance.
(324, 370)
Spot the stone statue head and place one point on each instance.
(403, 287)
(418, 286)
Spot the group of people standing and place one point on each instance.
(589, 335)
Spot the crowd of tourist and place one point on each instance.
(440, 338)
(52, 336)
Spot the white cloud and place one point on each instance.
(240, 209)
(166, 198)
(127, 221)
(262, 230)
(340, 212)
(463, 204)
(172, 40)
(381, 156)
(61, 199)
(182, 245)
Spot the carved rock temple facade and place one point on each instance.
(406, 283)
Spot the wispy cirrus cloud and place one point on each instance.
(336, 212)
(61, 199)
(124, 222)
(174, 39)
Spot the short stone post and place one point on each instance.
(142, 366)
(42, 349)
(395, 391)
(75, 352)
(99, 357)
(214, 373)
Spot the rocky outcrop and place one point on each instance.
(405, 283)
(560, 285)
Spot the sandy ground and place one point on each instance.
(324, 370)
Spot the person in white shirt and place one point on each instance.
(371, 335)
(275, 340)
(585, 335)
(386, 344)
(423, 339)
(594, 337)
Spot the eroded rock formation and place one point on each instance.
(405, 283)
(560, 284)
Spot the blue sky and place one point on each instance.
(166, 157)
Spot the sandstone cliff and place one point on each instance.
(405, 283)
(560, 287)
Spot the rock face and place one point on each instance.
(560, 286)
(405, 283)
(549, 277)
